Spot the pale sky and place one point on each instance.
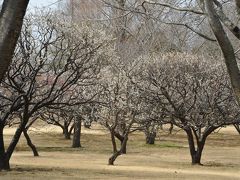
(40, 3)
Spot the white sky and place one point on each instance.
(40, 3)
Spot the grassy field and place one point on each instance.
(169, 158)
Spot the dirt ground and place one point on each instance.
(169, 158)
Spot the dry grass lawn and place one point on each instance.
(169, 158)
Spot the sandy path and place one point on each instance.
(142, 162)
(94, 163)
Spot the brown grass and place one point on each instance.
(168, 159)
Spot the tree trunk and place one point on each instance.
(196, 157)
(121, 151)
(226, 47)
(150, 137)
(11, 19)
(77, 133)
(196, 154)
(117, 153)
(4, 162)
(15, 140)
(71, 129)
(5, 156)
(113, 141)
(237, 127)
(171, 128)
(67, 134)
(124, 146)
(24, 120)
(2, 148)
(30, 144)
(114, 157)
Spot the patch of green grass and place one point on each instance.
(49, 149)
(164, 145)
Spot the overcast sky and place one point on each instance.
(39, 3)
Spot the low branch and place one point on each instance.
(172, 7)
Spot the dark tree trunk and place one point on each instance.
(226, 47)
(15, 140)
(196, 157)
(123, 143)
(71, 129)
(5, 156)
(237, 127)
(196, 153)
(171, 128)
(118, 153)
(113, 141)
(114, 157)
(4, 162)
(67, 134)
(2, 148)
(30, 144)
(11, 19)
(150, 137)
(124, 146)
(77, 133)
